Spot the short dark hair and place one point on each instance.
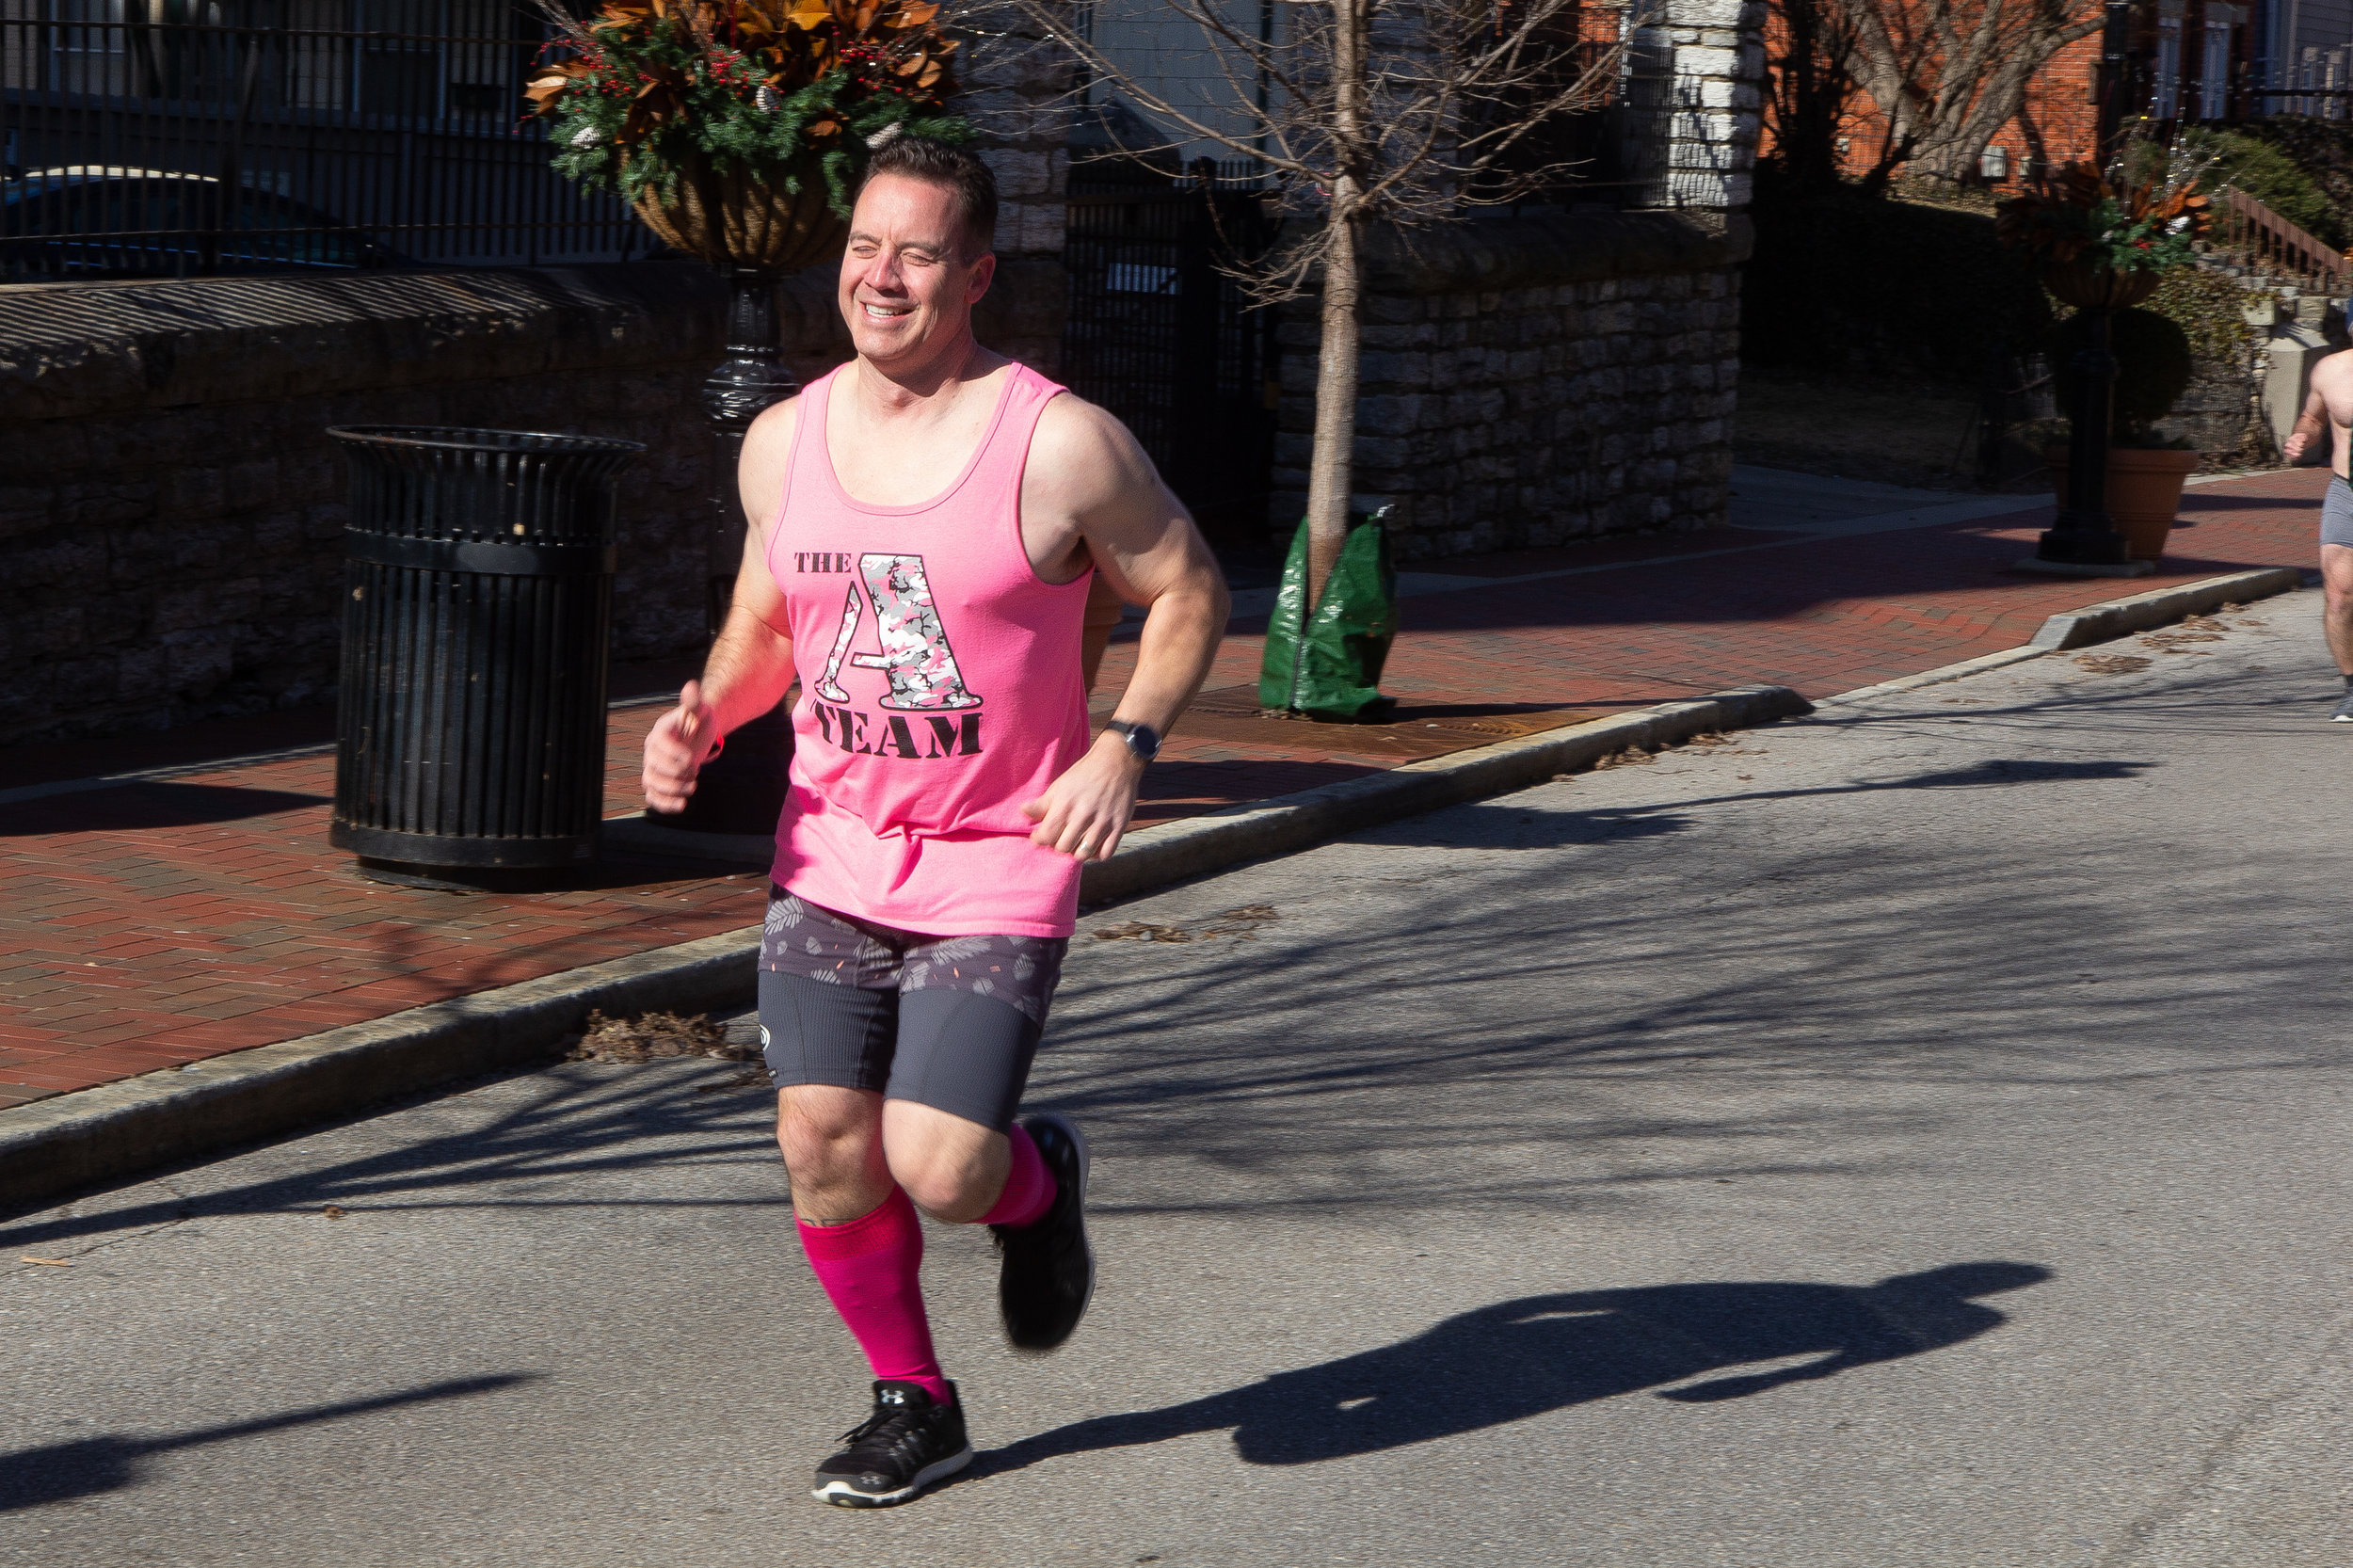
(941, 164)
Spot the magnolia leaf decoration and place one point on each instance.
(646, 92)
(2080, 214)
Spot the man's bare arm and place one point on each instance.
(1144, 541)
(750, 663)
(2310, 424)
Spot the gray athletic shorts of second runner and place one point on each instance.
(2336, 514)
(951, 1022)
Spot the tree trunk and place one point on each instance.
(1331, 471)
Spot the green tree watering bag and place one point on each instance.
(1328, 665)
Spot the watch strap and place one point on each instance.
(1141, 738)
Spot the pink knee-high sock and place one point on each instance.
(869, 1269)
(1029, 1187)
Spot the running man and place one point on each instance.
(926, 521)
(2332, 400)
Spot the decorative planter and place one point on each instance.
(2097, 288)
(737, 217)
(2144, 493)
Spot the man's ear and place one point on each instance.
(984, 274)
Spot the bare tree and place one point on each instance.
(1368, 113)
(1810, 87)
(1946, 74)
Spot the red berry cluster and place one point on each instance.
(869, 66)
(727, 68)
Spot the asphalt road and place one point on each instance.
(1915, 1135)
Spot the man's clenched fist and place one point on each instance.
(680, 743)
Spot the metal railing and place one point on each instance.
(374, 133)
(2245, 227)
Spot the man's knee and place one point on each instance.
(951, 1167)
(827, 1133)
(2336, 578)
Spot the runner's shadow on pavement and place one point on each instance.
(1541, 1353)
(88, 1465)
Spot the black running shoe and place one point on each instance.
(909, 1442)
(1049, 1272)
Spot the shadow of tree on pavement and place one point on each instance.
(87, 1465)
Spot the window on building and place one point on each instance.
(2214, 72)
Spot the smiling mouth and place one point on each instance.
(888, 312)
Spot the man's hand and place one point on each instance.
(2293, 448)
(1085, 812)
(680, 743)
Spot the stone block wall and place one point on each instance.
(1530, 381)
(171, 510)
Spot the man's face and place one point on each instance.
(906, 286)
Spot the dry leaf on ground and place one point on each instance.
(1142, 931)
(2113, 664)
(50, 1262)
(2177, 642)
(654, 1034)
(334, 1211)
(1631, 757)
(1232, 922)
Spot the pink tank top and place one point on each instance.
(940, 689)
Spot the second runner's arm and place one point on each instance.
(750, 665)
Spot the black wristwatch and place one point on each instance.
(1141, 738)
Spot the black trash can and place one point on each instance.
(477, 612)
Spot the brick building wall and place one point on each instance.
(2172, 76)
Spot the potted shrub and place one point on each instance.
(2101, 240)
(2145, 470)
(738, 128)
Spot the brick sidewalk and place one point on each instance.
(155, 923)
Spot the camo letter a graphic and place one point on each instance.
(915, 656)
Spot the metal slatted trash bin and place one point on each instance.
(477, 610)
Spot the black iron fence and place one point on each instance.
(1160, 336)
(180, 138)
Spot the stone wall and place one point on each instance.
(171, 510)
(1530, 379)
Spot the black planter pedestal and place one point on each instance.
(2082, 540)
(740, 794)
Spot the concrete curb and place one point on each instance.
(116, 1129)
(1937, 677)
(95, 1135)
(1175, 851)
(2097, 623)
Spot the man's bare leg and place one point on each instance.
(2336, 575)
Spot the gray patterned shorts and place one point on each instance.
(951, 1022)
